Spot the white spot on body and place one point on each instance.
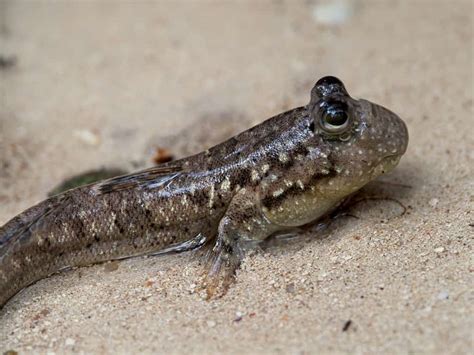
(283, 157)
(83, 214)
(278, 192)
(211, 196)
(254, 176)
(300, 184)
(225, 185)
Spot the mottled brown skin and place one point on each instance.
(286, 172)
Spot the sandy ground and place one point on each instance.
(102, 84)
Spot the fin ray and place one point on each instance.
(150, 178)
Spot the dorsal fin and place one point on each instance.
(150, 178)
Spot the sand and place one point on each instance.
(102, 84)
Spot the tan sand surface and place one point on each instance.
(101, 84)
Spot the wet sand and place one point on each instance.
(104, 84)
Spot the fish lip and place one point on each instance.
(390, 157)
(389, 162)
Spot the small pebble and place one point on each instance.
(433, 202)
(322, 276)
(238, 316)
(88, 137)
(162, 155)
(443, 295)
(192, 288)
(211, 323)
(70, 342)
(332, 12)
(439, 250)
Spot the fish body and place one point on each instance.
(288, 171)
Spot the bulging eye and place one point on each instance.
(334, 117)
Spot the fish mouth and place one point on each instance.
(388, 163)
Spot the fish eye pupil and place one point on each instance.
(335, 116)
(332, 117)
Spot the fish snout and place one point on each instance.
(389, 131)
(396, 133)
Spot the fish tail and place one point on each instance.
(14, 235)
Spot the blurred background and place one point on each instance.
(92, 84)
